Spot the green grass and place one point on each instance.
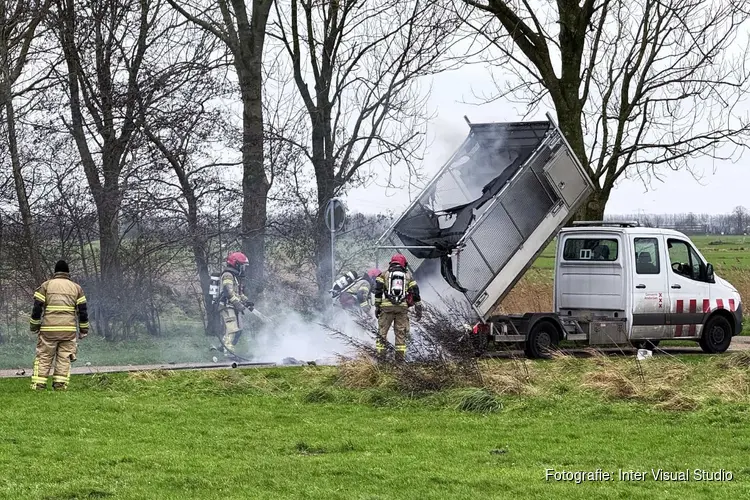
(182, 342)
(294, 433)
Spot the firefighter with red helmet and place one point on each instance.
(395, 291)
(232, 300)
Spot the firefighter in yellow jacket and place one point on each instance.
(395, 291)
(57, 302)
(232, 301)
(357, 296)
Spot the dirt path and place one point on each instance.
(741, 343)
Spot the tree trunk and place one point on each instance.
(324, 275)
(570, 125)
(255, 185)
(109, 296)
(593, 209)
(198, 244)
(23, 200)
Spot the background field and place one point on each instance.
(183, 339)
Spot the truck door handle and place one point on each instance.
(676, 286)
(640, 286)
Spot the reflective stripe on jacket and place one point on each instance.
(361, 291)
(231, 292)
(58, 302)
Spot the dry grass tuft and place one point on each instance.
(363, 373)
(516, 377)
(613, 383)
(679, 402)
(734, 385)
(655, 381)
(734, 360)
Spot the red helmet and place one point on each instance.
(237, 259)
(399, 259)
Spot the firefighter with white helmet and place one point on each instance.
(395, 291)
(356, 295)
(232, 300)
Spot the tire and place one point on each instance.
(646, 344)
(717, 335)
(542, 340)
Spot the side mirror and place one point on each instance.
(710, 273)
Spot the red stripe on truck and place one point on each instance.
(678, 328)
(731, 305)
(720, 303)
(706, 306)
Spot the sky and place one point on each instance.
(721, 187)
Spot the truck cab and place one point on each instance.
(619, 283)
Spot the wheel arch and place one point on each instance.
(727, 315)
(535, 319)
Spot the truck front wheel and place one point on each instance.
(717, 334)
(542, 339)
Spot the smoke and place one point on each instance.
(433, 288)
(289, 334)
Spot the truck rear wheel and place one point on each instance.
(717, 335)
(542, 339)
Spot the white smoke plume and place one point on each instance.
(288, 334)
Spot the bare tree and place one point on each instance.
(104, 45)
(19, 20)
(356, 66)
(244, 36)
(182, 125)
(636, 85)
(739, 216)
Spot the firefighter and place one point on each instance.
(357, 296)
(232, 301)
(395, 291)
(57, 302)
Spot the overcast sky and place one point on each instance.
(723, 186)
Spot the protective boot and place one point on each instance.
(39, 387)
(400, 356)
(59, 386)
(380, 351)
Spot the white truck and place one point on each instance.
(503, 197)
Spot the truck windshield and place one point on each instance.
(601, 249)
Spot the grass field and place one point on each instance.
(323, 433)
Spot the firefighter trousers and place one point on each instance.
(399, 318)
(231, 330)
(53, 352)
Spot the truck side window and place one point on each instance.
(684, 260)
(647, 256)
(581, 249)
